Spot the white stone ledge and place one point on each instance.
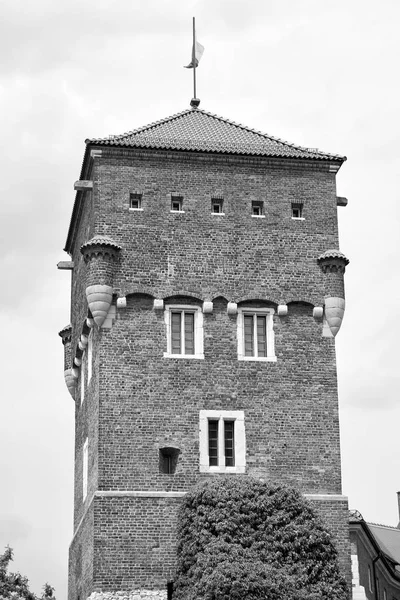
(138, 494)
(326, 497)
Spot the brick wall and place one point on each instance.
(138, 401)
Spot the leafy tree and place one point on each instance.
(14, 586)
(242, 539)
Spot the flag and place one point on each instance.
(197, 53)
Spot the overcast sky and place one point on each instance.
(319, 74)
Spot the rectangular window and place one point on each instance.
(256, 334)
(229, 434)
(83, 368)
(217, 206)
(257, 208)
(222, 441)
(135, 201)
(176, 203)
(85, 468)
(184, 326)
(297, 211)
(182, 332)
(89, 356)
(213, 443)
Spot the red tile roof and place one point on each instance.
(199, 130)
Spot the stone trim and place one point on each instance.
(130, 595)
(327, 497)
(138, 494)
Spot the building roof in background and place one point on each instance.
(388, 539)
(202, 131)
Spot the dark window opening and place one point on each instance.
(170, 590)
(135, 201)
(168, 460)
(217, 205)
(297, 211)
(176, 203)
(257, 208)
(229, 439)
(213, 442)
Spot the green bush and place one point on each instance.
(242, 539)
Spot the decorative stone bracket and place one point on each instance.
(100, 254)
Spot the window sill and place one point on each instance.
(177, 212)
(189, 356)
(226, 470)
(298, 219)
(257, 359)
(258, 216)
(222, 214)
(136, 209)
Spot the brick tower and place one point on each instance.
(207, 288)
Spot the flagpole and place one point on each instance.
(194, 58)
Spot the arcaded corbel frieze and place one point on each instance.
(232, 308)
(208, 306)
(158, 304)
(318, 312)
(121, 302)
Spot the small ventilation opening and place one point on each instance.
(297, 211)
(170, 590)
(257, 208)
(217, 205)
(135, 201)
(176, 203)
(168, 460)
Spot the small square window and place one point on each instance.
(217, 206)
(135, 201)
(222, 441)
(257, 208)
(176, 203)
(168, 460)
(297, 211)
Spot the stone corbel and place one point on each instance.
(207, 306)
(158, 304)
(232, 308)
(121, 302)
(282, 310)
(318, 312)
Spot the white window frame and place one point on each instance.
(82, 384)
(239, 440)
(90, 357)
(85, 469)
(267, 312)
(198, 330)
